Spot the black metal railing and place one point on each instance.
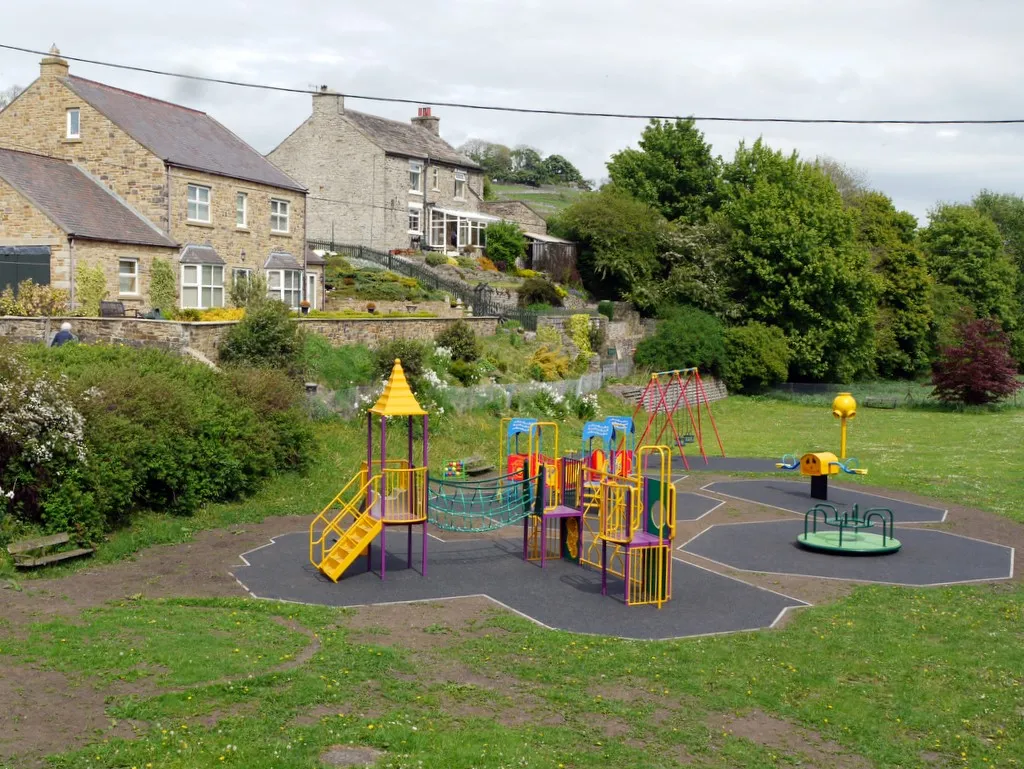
(482, 298)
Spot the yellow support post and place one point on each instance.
(844, 407)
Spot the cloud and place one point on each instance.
(935, 59)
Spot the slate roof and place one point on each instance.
(181, 136)
(407, 139)
(76, 202)
(281, 260)
(312, 257)
(200, 254)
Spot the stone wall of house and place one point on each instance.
(108, 256)
(22, 224)
(206, 337)
(241, 247)
(440, 309)
(343, 171)
(519, 212)
(36, 122)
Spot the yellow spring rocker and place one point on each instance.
(818, 466)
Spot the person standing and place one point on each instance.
(63, 336)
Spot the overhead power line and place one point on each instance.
(528, 110)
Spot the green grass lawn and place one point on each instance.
(546, 200)
(888, 677)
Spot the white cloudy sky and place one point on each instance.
(808, 58)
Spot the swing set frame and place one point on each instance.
(657, 403)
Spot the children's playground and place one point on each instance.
(641, 530)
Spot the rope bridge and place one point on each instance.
(478, 506)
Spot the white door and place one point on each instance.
(311, 290)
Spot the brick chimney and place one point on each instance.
(53, 65)
(327, 102)
(424, 119)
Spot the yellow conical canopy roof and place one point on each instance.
(397, 399)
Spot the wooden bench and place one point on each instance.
(476, 465)
(30, 553)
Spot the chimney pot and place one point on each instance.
(424, 119)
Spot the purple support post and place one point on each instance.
(369, 475)
(426, 492)
(627, 549)
(526, 538)
(543, 540)
(383, 494)
(408, 560)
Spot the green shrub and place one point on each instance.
(686, 338)
(337, 367)
(547, 365)
(460, 338)
(549, 336)
(505, 244)
(166, 434)
(756, 357)
(467, 373)
(90, 288)
(412, 354)
(34, 301)
(266, 337)
(579, 331)
(187, 315)
(163, 291)
(606, 308)
(249, 293)
(434, 259)
(538, 291)
(582, 406)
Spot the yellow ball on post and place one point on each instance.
(844, 407)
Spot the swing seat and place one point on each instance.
(688, 439)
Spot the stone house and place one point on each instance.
(383, 183)
(177, 184)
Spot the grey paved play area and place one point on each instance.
(563, 595)
(691, 507)
(795, 496)
(720, 464)
(928, 557)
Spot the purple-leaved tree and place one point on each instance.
(979, 368)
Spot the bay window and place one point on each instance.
(285, 286)
(202, 286)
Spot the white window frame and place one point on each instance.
(416, 170)
(283, 212)
(133, 276)
(201, 283)
(311, 291)
(242, 207)
(199, 203)
(283, 292)
(461, 178)
(416, 210)
(77, 132)
(436, 180)
(438, 226)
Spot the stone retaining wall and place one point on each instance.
(175, 336)
(438, 308)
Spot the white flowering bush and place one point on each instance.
(583, 406)
(42, 443)
(546, 401)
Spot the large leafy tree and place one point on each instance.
(673, 170)
(9, 94)
(904, 316)
(965, 251)
(558, 170)
(620, 241)
(795, 263)
(1007, 211)
(978, 369)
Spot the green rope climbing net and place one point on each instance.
(477, 506)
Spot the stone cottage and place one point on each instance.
(386, 184)
(92, 174)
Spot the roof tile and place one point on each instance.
(76, 202)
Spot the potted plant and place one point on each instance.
(371, 307)
(304, 306)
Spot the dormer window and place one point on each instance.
(74, 124)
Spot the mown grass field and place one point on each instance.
(545, 200)
(887, 677)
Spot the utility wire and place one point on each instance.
(527, 110)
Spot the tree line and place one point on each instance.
(857, 288)
(522, 165)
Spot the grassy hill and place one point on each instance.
(545, 200)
